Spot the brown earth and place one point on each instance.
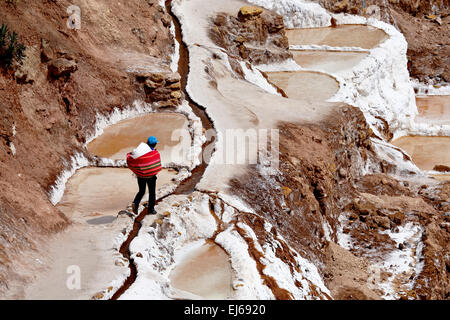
(425, 25)
(162, 88)
(48, 105)
(346, 275)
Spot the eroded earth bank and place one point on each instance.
(341, 205)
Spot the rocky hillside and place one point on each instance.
(424, 23)
(49, 102)
(321, 188)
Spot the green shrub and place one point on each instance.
(10, 49)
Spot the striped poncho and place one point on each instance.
(145, 166)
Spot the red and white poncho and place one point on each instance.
(146, 165)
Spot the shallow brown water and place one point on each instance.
(305, 85)
(433, 109)
(121, 138)
(205, 271)
(426, 152)
(361, 36)
(331, 62)
(442, 177)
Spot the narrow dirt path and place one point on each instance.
(188, 186)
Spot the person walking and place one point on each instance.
(145, 162)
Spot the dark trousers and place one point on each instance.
(151, 183)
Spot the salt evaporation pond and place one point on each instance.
(305, 85)
(442, 177)
(332, 62)
(119, 139)
(95, 192)
(92, 200)
(426, 152)
(433, 109)
(204, 271)
(361, 36)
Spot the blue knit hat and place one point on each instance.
(152, 140)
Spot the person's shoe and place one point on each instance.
(134, 208)
(153, 212)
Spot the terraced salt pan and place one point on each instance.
(86, 249)
(305, 85)
(205, 271)
(234, 103)
(92, 200)
(333, 62)
(426, 152)
(350, 36)
(433, 109)
(103, 191)
(441, 177)
(121, 138)
(380, 85)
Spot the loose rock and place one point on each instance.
(62, 67)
